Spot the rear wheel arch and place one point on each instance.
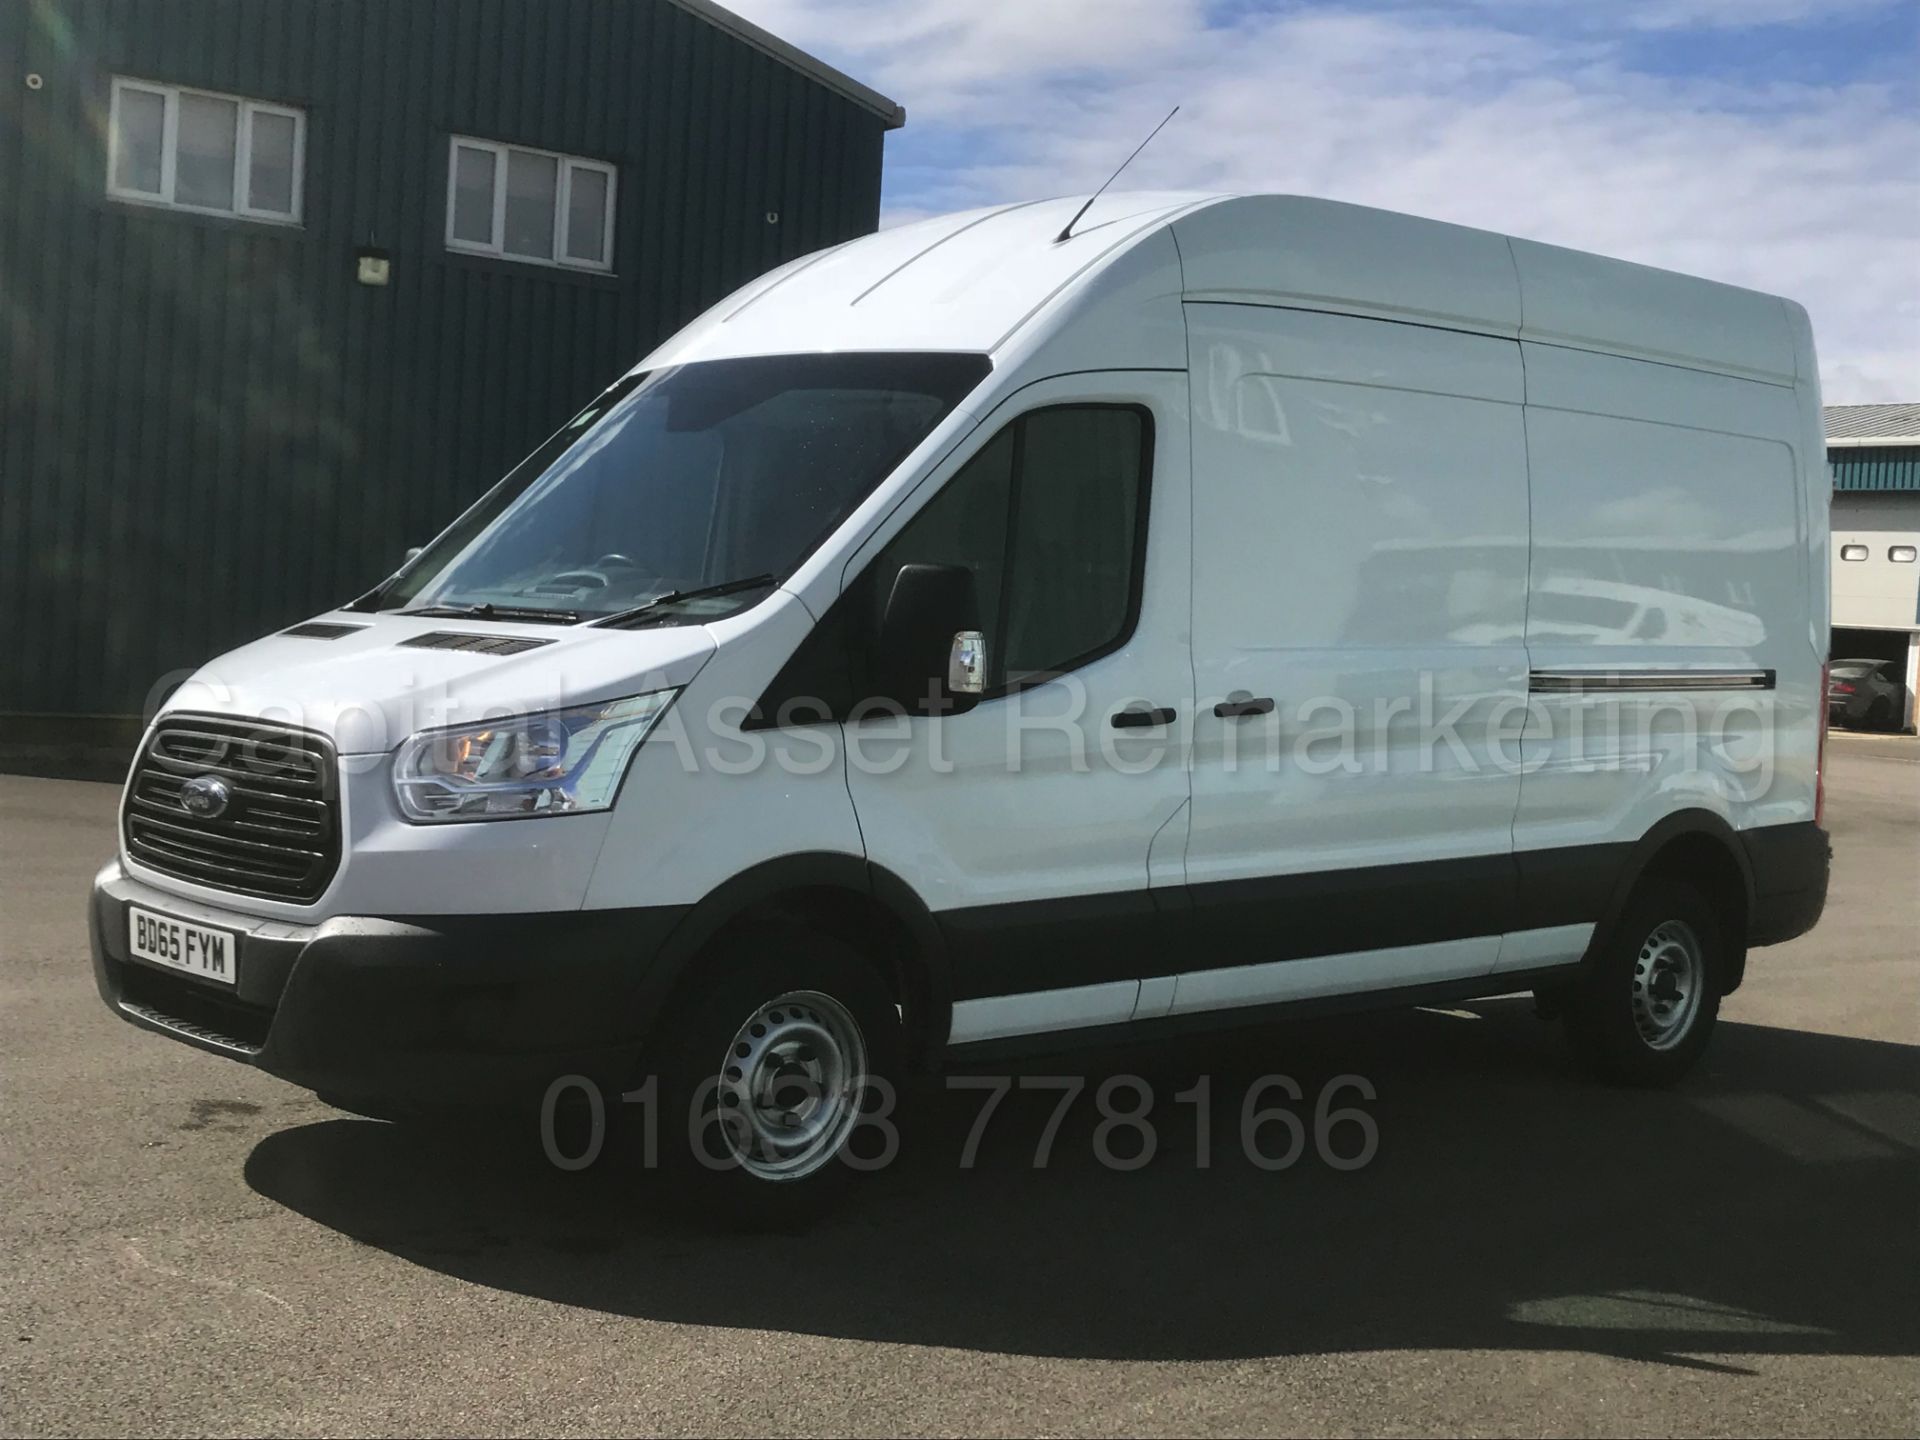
(1700, 849)
(1643, 1011)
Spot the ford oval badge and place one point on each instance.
(205, 797)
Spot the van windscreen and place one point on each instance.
(685, 478)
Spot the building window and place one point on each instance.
(1853, 552)
(1901, 554)
(529, 204)
(194, 150)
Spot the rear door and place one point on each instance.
(1359, 590)
(1037, 825)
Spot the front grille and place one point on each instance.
(279, 834)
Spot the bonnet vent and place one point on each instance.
(322, 630)
(469, 640)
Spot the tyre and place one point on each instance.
(1645, 1007)
(765, 1072)
(1880, 714)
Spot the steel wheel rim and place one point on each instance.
(789, 1088)
(1669, 978)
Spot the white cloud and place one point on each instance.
(1680, 14)
(1466, 115)
(1732, 14)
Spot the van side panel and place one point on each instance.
(1360, 561)
(1667, 606)
(1816, 481)
(1307, 253)
(1573, 298)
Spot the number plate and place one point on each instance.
(210, 954)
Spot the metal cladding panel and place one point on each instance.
(1875, 467)
(209, 429)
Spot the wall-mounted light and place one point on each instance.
(375, 266)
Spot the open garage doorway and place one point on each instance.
(1894, 646)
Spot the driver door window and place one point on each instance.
(1051, 519)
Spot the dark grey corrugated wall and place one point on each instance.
(208, 428)
(1875, 467)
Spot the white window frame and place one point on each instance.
(562, 205)
(245, 109)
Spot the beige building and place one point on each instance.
(1874, 453)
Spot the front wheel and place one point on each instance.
(1645, 1008)
(766, 1074)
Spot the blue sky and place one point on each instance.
(1771, 143)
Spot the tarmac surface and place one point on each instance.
(190, 1246)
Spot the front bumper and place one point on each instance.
(399, 1014)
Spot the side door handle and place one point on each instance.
(1241, 709)
(1142, 719)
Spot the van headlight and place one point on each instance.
(556, 762)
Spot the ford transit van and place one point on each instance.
(979, 636)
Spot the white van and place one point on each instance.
(970, 636)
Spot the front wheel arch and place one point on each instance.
(839, 895)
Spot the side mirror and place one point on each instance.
(930, 655)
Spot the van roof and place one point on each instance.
(978, 279)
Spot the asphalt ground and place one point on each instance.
(189, 1246)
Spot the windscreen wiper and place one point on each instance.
(498, 612)
(674, 597)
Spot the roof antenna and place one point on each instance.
(1067, 234)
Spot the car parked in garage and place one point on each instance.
(1864, 694)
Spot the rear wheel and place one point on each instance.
(765, 1075)
(1880, 714)
(1645, 1007)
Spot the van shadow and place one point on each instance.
(1765, 1207)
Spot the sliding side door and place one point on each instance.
(1359, 589)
